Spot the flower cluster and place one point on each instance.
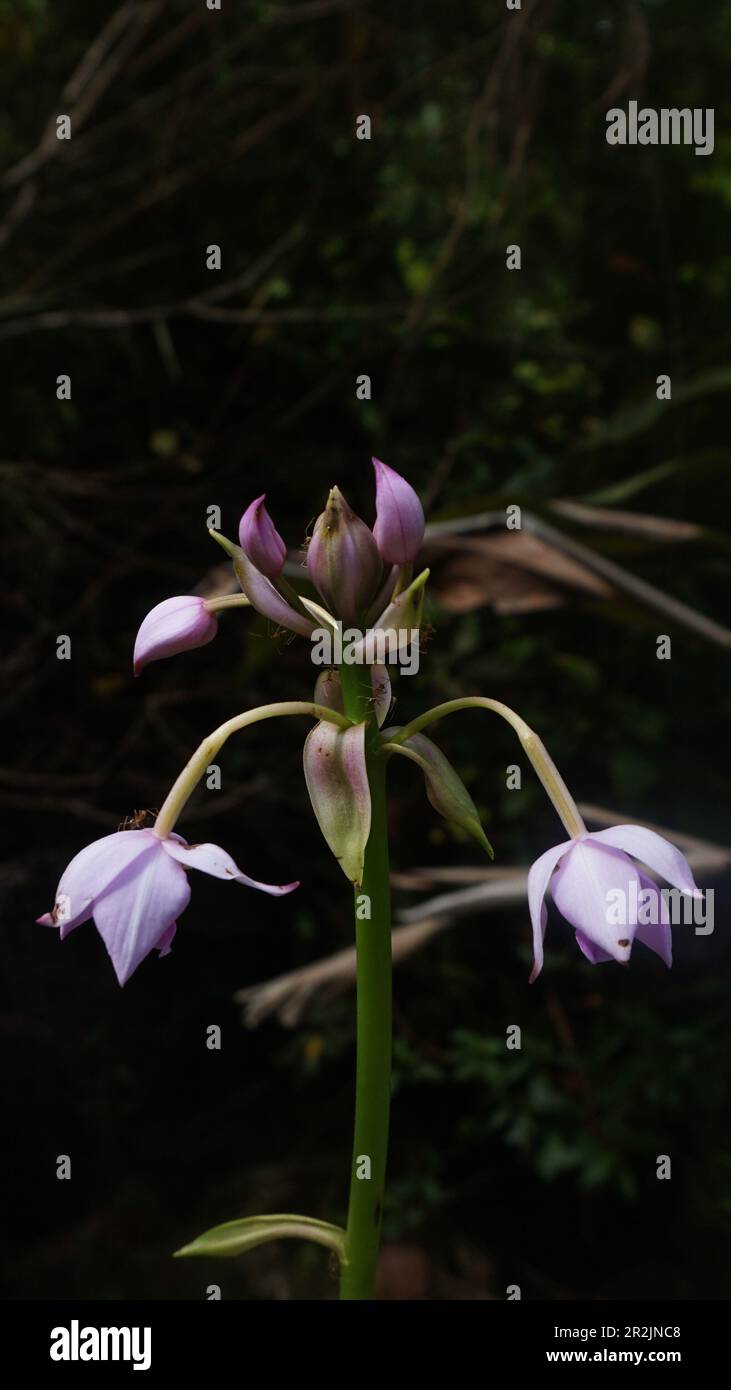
(134, 883)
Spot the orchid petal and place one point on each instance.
(656, 934)
(211, 859)
(583, 889)
(164, 945)
(91, 872)
(651, 849)
(594, 954)
(538, 879)
(140, 907)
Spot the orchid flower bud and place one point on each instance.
(343, 560)
(260, 540)
(606, 898)
(337, 781)
(399, 528)
(444, 787)
(175, 625)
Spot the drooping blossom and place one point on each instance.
(175, 625)
(134, 884)
(594, 876)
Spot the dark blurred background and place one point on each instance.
(193, 388)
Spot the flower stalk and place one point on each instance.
(541, 760)
(373, 1016)
(184, 786)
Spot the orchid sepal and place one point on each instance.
(445, 789)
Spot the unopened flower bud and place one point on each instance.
(399, 528)
(343, 560)
(175, 625)
(260, 540)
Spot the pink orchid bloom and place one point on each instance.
(175, 625)
(260, 540)
(133, 883)
(594, 874)
(399, 528)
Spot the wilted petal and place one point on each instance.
(175, 625)
(593, 886)
(337, 781)
(538, 878)
(211, 859)
(399, 528)
(91, 872)
(651, 849)
(134, 914)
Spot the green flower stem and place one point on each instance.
(373, 1064)
(189, 778)
(541, 759)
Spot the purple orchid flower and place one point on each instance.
(596, 887)
(133, 883)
